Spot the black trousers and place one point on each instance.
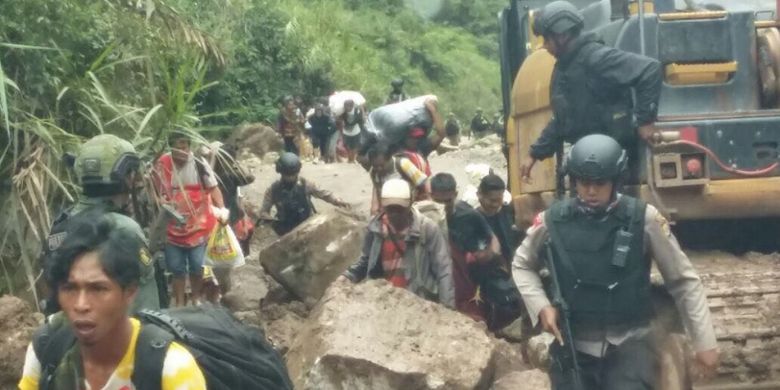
(633, 365)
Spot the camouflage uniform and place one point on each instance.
(96, 167)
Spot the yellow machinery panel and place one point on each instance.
(530, 114)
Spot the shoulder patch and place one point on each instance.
(55, 240)
(144, 256)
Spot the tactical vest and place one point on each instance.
(293, 204)
(585, 103)
(600, 293)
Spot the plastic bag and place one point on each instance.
(336, 101)
(391, 123)
(223, 249)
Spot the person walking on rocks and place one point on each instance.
(351, 124)
(600, 244)
(191, 187)
(322, 128)
(591, 88)
(479, 125)
(472, 246)
(452, 129)
(289, 125)
(397, 94)
(96, 274)
(107, 169)
(500, 216)
(385, 166)
(406, 248)
(291, 196)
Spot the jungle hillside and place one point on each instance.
(72, 69)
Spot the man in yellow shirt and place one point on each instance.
(96, 274)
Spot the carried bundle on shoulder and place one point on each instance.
(391, 123)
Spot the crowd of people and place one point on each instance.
(581, 272)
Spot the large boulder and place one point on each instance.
(375, 336)
(308, 259)
(19, 321)
(248, 288)
(255, 138)
(528, 379)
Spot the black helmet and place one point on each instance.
(556, 18)
(288, 164)
(397, 83)
(596, 157)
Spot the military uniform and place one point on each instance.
(103, 163)
(610, 305)
(591, 93)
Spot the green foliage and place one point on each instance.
(71, 69)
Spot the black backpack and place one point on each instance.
(230, 355)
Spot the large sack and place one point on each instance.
(391, 123)
(306, 260)
(374, 336)
(19, 321)
(336, 101)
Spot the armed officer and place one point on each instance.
(591, 87)
(107, 168)
(600, 244)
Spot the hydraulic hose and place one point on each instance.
(723, 166)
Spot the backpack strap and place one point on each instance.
(158, 331)
(51, 343)
(150, 351)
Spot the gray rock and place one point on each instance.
(248, 288)
(19, 321)
(529, 379)
(375, 336)
(308, 259)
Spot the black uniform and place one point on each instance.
(591, 93)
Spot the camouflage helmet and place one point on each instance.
(288, 164)
(557, 17)
(596, 157)
(103, 163)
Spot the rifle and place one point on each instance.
(567, 359)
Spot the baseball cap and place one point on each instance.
(396, 192)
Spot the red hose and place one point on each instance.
(756, 172)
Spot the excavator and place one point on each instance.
(715, 163)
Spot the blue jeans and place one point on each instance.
(178, 259)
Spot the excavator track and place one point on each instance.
(744, 298)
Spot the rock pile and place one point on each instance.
(18, 324)
(375, 336)
(309, 258)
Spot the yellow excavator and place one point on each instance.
(717, 162)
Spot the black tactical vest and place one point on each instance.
(293, 205)
(598, 292)
(585, 103)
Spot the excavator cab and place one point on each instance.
(719, 111)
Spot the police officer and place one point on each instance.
(602, 243)
(591, 87)
(291, 196)
(397, 94)
(107, 168)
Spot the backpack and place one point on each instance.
(230, 355)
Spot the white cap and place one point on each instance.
(396, 192)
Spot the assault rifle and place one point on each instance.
(567, 359)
